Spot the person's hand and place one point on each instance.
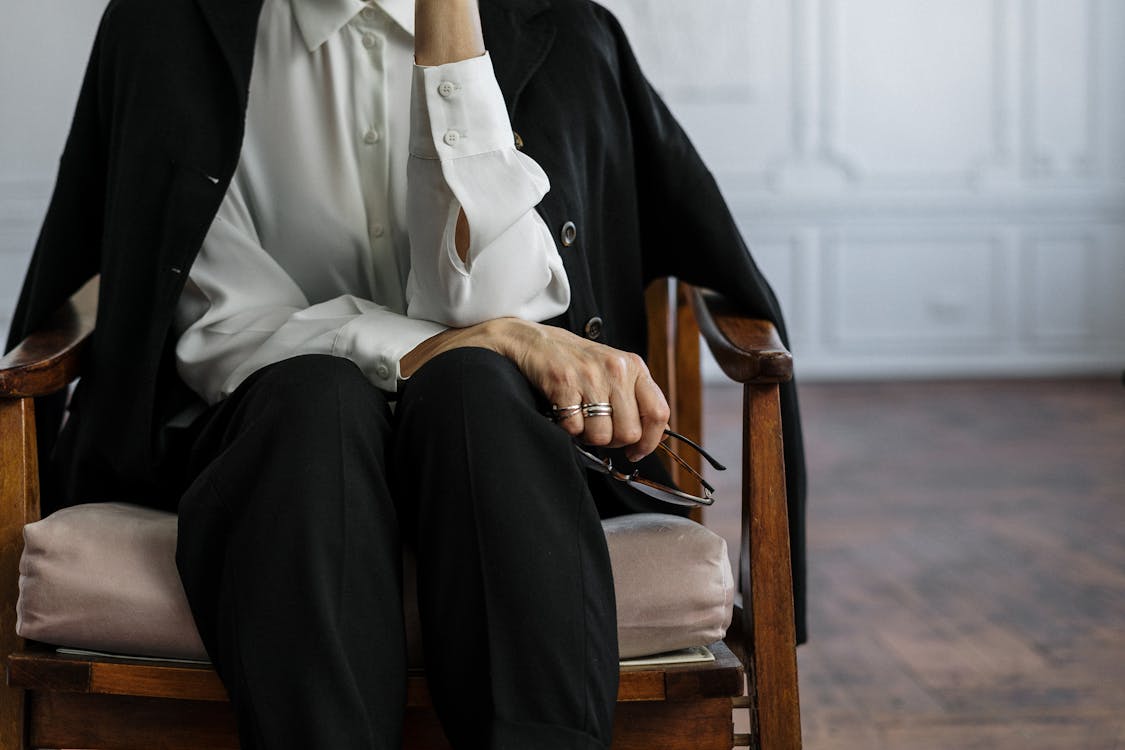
(570, 370)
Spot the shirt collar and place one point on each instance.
(318, 20)
(401, 12)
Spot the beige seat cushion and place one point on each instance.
(103, 577)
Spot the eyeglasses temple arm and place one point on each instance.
(687, 466)
(710, 459)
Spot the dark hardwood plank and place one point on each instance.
(967, 560)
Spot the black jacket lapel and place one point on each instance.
(518, 34)
(235, 26)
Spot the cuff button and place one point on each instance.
(451, 138)
(593, 328)
(446, 89)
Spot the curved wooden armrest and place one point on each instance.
(48, 359)
(747, 350)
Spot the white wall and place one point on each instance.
(44, 45)
(935, 188)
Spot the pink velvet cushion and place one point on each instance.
(673, 583)
(103, 576)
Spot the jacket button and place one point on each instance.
(568, 234)
(594, 328)
(518, 140)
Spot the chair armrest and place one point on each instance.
(748, 350)
(48, 359)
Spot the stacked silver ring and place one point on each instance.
(559, 413)
(597, 410)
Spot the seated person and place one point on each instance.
(338, 296)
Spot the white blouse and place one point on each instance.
(336, 235)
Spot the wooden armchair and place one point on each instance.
(56, 701)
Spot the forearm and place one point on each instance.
(502, 336)
(446, 31)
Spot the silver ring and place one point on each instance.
(597, 410)
(559, 413)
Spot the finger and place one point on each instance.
(604, 374)
(626, 416)
(569, 419)
(653, 412)
(598, 429)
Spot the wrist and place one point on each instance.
(507, 336)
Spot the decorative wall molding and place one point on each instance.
(1110, 88)
(993, 245)
(19, 198)
(1061, 65)
(937, 81)
(708, 57)
(1058, 274)
(783, 258)
(917, 289)
(22, 205)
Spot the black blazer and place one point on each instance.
(154, 143)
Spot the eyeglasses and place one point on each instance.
(655, 489)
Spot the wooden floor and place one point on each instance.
(967, 557)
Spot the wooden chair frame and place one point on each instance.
(55, 701)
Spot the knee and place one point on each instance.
(470, 377)
(476, 402)
(312, 390)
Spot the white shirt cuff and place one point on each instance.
(378, 339)
(457, 110)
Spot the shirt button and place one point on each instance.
(368, 40)
(594, 328)
(367, 13)
(371, 136)
(451, 138)
(382, 370)
(378, 230)
(568, 234)
(446, 89)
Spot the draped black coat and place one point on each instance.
(154, 143)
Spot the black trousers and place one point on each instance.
(306, 486)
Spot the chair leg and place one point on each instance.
(19, 504)
(766, 577)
